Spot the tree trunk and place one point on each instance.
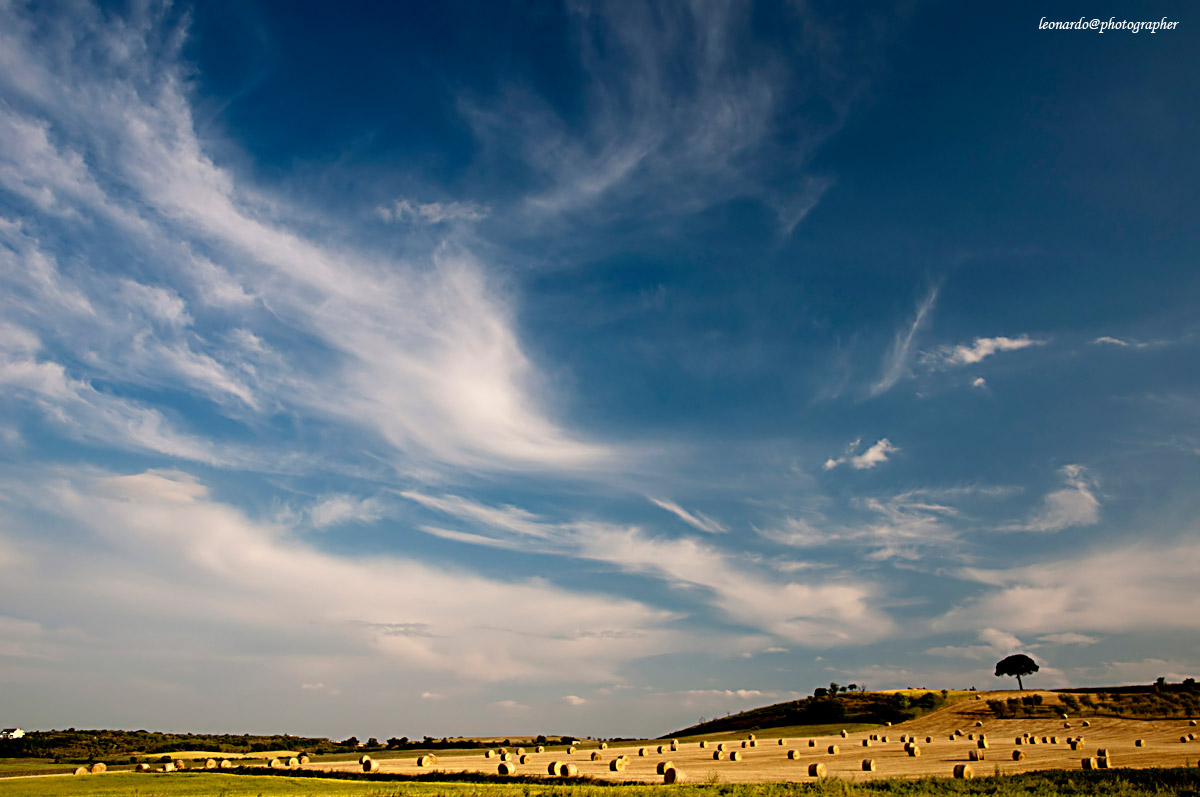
(1020, 685)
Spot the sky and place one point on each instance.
(404, 369)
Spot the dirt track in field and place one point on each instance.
(768, 760)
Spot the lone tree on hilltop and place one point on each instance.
(1017, 664)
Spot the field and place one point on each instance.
(947, 737)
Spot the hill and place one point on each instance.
(822, 708)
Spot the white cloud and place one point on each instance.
(430, 696)
(446, 381)
(432, 212)
(155, 545)
(896, 361)
(694, 519)
(1075, 505)
(819, 613)
(1144, 587)
(979, 382)
(995, 644)
(981, 348)
(510, 705)
(874, 455)
(1068, 638)
(334, 510)
(574, 700)
(1130, 344)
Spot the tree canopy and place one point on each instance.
(1016, 665)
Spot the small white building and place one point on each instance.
(11, 733)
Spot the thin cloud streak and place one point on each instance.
(896, 361)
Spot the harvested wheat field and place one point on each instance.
(1111, 742)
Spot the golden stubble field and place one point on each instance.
(940, 750)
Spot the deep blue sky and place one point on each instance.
(456, 368)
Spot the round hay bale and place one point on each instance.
(520, 751)
(1062, 716)
(833, 749)
(816, 770)
(663, 766)
(672, 775)
(928, 740)
(275, 763)
(703, 743)
(958, 732)
(793, 755)
(618, 764)
(370, 766)
(721, 746)
(1032, 740)
(539, 749)
(506, 768)
(718, 755)
(367, 758)
(180, 764)
(736, 755)
(1018, 755)
(430, 760)
(883, 738)
(1183, 739)
(489, 753)
(1139, 742)
(982, 744)
(507, 757)
(1089, 763)
(745, 745)
(1020, 740)
(975, 755)
(812, 742)
(963, 771)
(641, 751)
(844, 734)
(754, 742)
(914, 752)
(1191, 737)
(970, 737)
(82, 771)
(674, 742)
(1075, 745)
(978, 723)
(1045, 740)
(596, 755)
(211, 763)
(1066, 725)
(750, 736)
(225, 764)
(1191, 723)
(953, 737)
(866, 742)
(604, 745)
(167, 767)
(674, 747)
(782, 742)
(1104, 762)
(1102, 752)
(552, 769)
(1087, 724)
(888, 724)
(97, 768)
(292, 762)
(904, 737)
(142, 768)
(660, 750)
(526, 759)
(568, 771)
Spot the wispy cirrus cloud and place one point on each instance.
(1074, 505)
(696, 520)
(99, 135)
(897, 360)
